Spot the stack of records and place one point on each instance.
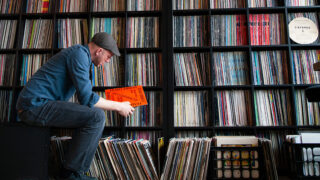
(124, 159)
(187, 158)
(114, 159)
(270, 162)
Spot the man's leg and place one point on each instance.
(89, 124)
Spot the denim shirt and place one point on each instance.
(64, 74)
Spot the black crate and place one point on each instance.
(299, 157)
(24, 152)
(236, 163)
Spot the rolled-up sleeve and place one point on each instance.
(79, 71)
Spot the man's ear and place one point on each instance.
(98, 51)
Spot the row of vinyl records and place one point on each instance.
(7, 33)
(38, 32)
(232, 68)
(38, 6)
(276, 136)
(108, 5)
(221, 4)
(186, 158)
(147, 116)
(45, 6)
(64, 6)
(231, 30)
(226, 30)
(234, 108)
(191, 69)
(141, 69)
(143, 116)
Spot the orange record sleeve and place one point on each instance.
(135, 95)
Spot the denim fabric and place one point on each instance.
(64, 74)
(88, 123)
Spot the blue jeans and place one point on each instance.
(88, 123)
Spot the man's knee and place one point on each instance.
(99, 116)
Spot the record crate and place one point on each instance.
(236, 163)
(305, 160)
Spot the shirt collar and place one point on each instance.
(88, 52)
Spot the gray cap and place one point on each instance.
(106, 41)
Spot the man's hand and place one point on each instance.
(125, 109)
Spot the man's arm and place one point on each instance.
(123, 108)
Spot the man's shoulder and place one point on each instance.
(78, 48)
(77, 54)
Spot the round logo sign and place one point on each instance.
(303, 30)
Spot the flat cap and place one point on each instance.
(106, 41)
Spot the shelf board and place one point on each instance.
(236, 87)
(228, 11)
(193, 128)
(268, 10)
(7, 51)
(232, 87)
(308, 127)
(305, 46)
(191, 12)
(275, 127)
(78, 15)
(190, 49)
(146, 88)
(188, 88)
(152, 88)
(6, 87)
(37, 15)
(278, 86)
(231, 48)
(32, 51)
(144, 13)
(102, 88)
(234, 128)
(296, 9)
(9, 16)
(269, 47)
(140, 128)
(109, 14)
(115, 128)
(142, 50)
(303, 86)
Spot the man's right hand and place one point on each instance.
(125, 109)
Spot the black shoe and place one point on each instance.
(77, 176)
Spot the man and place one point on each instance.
(43, 100)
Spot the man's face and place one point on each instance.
(102, 56)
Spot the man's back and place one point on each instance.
(56, 79)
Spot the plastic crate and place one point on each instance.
(304, 158)
(236, 163)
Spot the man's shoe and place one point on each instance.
(77, 176)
